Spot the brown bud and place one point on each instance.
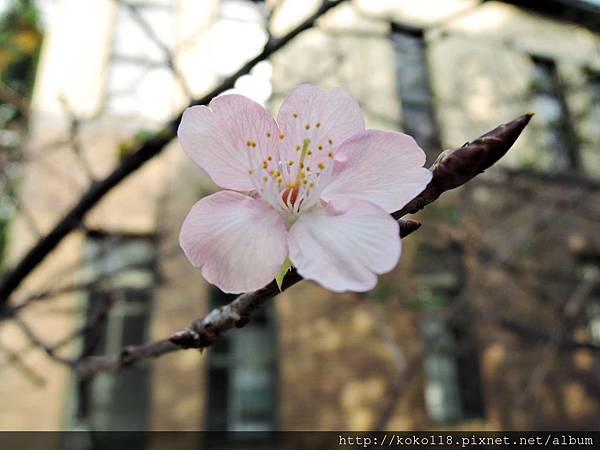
(407, 226)
(454, 168)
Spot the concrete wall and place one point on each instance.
(336, 369)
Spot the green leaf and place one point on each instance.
(285, 268)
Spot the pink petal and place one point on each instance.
(383, 167)
(217, 138)
(331, 117)
(344, 245)
(239, 241)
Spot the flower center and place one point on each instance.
(290, 179)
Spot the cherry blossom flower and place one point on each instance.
(313, 186)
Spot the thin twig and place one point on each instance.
(164, 48)
(15, 359)
(49, 350)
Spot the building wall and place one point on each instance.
(339, 356)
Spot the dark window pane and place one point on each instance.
(124, 267)
(551, 109)
(412, 80)
(241, 375)
(453, 389)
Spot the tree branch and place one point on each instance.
(452, 169)
(133, 161)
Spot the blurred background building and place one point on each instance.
(490, 321)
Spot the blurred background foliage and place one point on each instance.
(20, 41)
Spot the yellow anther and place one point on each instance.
(308, 168)
(301, 165)
(249, 143)
(253, 143)
(298, 147)
(269, 134)
(305, 182)
(290, 162)
(281, 136)
(265, 178)
(330, 154)
(295, 115)
(302, 175)
(330, 141)
(249, 171)
(318, 124)
(320, 147)
(311, 184)
(321, 166)
(307, 126)
(269, 158)
(265, 164)
(277, 174)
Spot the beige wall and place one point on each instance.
(335, 369)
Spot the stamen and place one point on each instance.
(303, 157)
(295, 115)
(318, 124)
(269, 134)
(307, 126)
(282, 136)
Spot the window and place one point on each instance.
(451, 364)
(558, 137)
(588, 124)
(241, 374)
(124, 267)
(414, 90)
(589, 271)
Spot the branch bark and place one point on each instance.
(451, 169)
(133, 161)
